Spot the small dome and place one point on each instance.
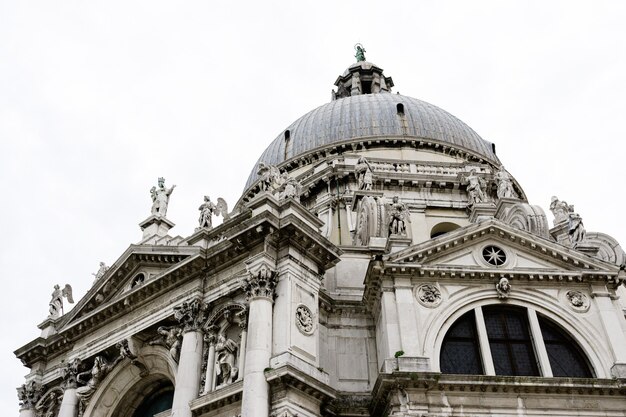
(372, 116)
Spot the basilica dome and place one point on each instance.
(372, 117)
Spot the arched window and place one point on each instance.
(506, 340)
(155, 403)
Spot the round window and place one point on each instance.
(493, 255)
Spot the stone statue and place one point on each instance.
(208, 209)
(92, 379)
(360, 52)
(475, 186)
(292, 189)
(49, 405)
(160, 198)
(270, 176)
(575, 228)
(398, 216)
(225, 352)
(505, 185)
(363, 171)
(503, 288)
(56, 303)
(101, 271)
(560, 210)
(171, 338)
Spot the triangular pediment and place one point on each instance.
(139, 266)
(469, 247)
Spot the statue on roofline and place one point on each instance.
(160, 198)
(360, 52)
(56, 303)
(208, 209)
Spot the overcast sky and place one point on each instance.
(98, 99)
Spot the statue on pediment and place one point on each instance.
(160, 198)
(475, 187)
(56, 303)
(364, 174)
(101, 271)
(208, 209)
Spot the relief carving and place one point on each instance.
(304, 320)
(169, 337)
(428, 295)
(92, 379)
(503, 288)
(578, 300)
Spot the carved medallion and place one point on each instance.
(304, 320)
(577, 300)
(428, 295)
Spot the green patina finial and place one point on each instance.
(360, 52)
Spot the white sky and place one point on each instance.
(98, 99)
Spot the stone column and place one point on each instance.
(28, 395)
(243, 324)
(259, 288)
(69, 404)
(210, 338)
(191, 315)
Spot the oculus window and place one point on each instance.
(501, 340)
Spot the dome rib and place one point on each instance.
(372, 115)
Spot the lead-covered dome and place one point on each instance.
(363, 108)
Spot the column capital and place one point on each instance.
(70, 372)
(210, 334)
(260, 282)
(29, 394)
(191, 315)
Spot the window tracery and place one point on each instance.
(512, 344)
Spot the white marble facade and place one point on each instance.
(364, 271)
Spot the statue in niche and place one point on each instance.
(575, 228)
(398, 216)
(101, 271)
(171, 338)
(292, 189)
(160, 198)
(208, 209)
(364, 174)
(503, 287)
(560, 210)
(226, 356)
(56, 303)
(92, 379)
(475, 188)
(505, 185)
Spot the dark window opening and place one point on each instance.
(366, 87)
(288, 145)
(460, 353)
(400, 108)
(493, 148)
(510, 341)
(566, 357)
(442, 229)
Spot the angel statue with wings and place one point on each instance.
(398, 216)
(56, 303)
(208, 209)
